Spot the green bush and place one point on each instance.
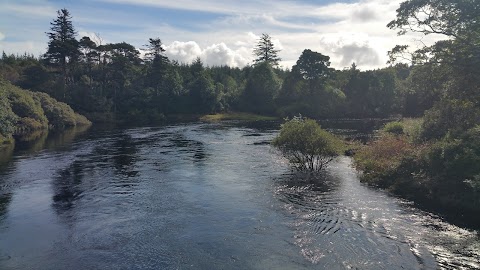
(394, 128)
(27, 108)
(444, 173)
(23, 111)
(306, 145)
(412, 127)
(452, 117)
(59, 114)
(7, 117)
(456, 160)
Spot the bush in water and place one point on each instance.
(306, 145)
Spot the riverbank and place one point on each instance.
(441, 175)
(24, 112)
(110, 118)
(242, 116)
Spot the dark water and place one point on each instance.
(205, 196)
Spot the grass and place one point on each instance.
(236, 116)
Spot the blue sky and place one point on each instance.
(219, 32)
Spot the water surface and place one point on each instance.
(205, 196)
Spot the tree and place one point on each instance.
(307, 89)
(155, 50)
(157, 66)
(63, 48)
(265, 51)
(313, 66)
(261, 89)
(306, 145)
(457, 57)
(458, 21)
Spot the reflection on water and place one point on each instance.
(206, 196)
(338, 215)
(67, 186)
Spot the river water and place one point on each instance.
(205, 196)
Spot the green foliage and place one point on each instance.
(444, 172)
(456, 159)
(412, 128)
(394, 128)
(7, 117)
(59, 114)
(452, 117)
(313, 66)
(30, 112)
(23, 111)
(306, 145)
(370, 93)
(307, 89)
(261, 89)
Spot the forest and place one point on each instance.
(118, 82)
(437, 154)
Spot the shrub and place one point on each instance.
(59, 114)
(383, 156)
(25, 106)
(412, 127)
(451, 117)
(456, 160)
(394, 128)
(23, 111)
(7, 117)
(306, 145)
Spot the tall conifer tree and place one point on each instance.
(63, 48)
(265, 51)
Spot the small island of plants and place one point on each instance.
(306, 145)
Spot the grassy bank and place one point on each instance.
(441, 174)
(236, 116)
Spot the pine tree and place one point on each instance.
(265, 51)
(155, 50)
(63, 48)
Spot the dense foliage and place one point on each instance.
(438, 162)
(306, 145)
(112, 82)
(23, 112)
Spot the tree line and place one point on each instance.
(113, 81)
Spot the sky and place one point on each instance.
(219, 32)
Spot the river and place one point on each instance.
(205, 196)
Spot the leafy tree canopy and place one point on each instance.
(313, 65)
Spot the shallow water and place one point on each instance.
(206, 196)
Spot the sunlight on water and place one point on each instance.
(207, 196)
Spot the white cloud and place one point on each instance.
(213, 55)
(346, 32)
(183, 52)
(2, 36)
(220, 54)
